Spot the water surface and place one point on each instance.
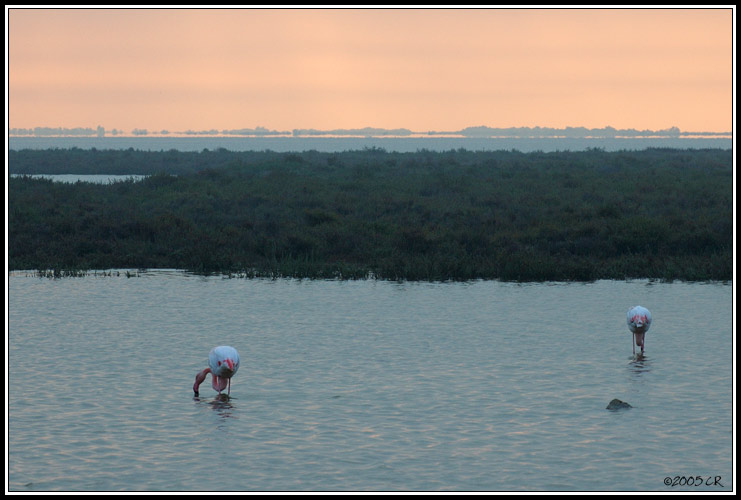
(337, 144)
(91, 178)
(365, 385)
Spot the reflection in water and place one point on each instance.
(222, 404)
(640, 364)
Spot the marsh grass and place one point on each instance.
(457, 215)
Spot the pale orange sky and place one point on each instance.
(421, 69)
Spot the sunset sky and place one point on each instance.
(421, 69)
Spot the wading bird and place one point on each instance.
(639, 321)
(223, 363)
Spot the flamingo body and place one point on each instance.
(223, 363)
(639, 321)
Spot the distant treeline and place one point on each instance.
(457, 215)
(480, 131)
(50, 131)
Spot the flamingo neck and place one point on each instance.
(200, 377)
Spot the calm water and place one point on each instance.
(95, 178)
(365, 385)
(336, 144)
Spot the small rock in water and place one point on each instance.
(616, 404)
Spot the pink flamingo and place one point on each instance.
(639, 321)
(223, 363)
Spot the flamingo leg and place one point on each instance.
(229, 387)
(634, 345)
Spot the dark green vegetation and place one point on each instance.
(658, 213)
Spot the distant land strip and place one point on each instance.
(479, 131)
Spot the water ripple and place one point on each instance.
(363, 386)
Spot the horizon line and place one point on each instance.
(480, 131)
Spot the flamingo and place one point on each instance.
(223, 363)
(639, 321)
